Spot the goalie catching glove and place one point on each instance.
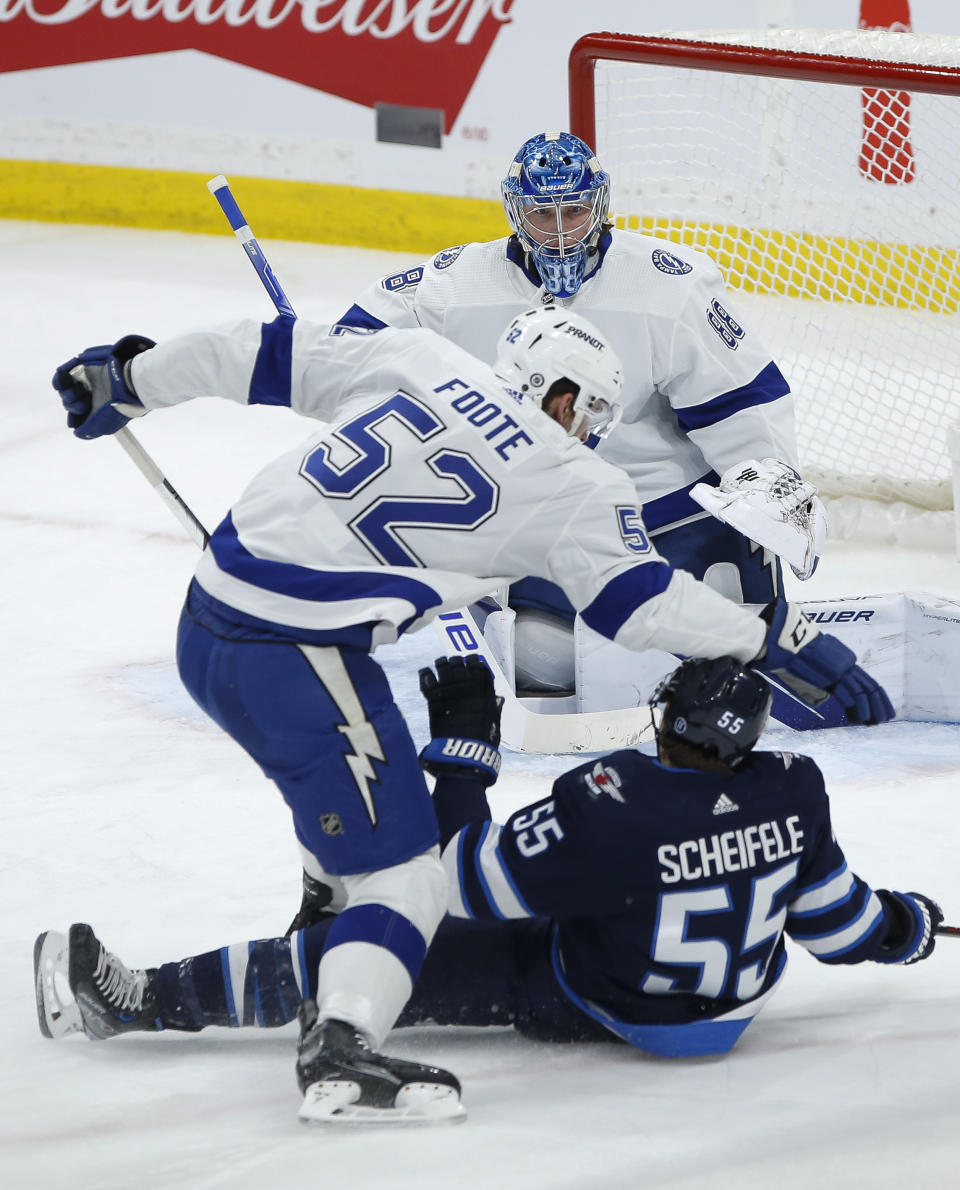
(768, 502)
(464, 720)
(96, 389)
(814, 665)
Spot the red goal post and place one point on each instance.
(821, 170)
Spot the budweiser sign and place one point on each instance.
(420, 53)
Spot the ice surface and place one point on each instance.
(123, 807)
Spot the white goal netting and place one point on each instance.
(833, 208)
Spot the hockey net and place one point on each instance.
(821, 170)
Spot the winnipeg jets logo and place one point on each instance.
(603, 780)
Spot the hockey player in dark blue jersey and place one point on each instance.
(645, 898)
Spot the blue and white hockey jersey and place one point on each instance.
(670, 890)
(434, 487)
(701, 392)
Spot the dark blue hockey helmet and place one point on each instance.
(719, 705)
(557, 197)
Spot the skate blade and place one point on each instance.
(335, 1102)
(57, 1016)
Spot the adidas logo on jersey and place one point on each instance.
(725, 805)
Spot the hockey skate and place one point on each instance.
(105, 997)
(345, 1082)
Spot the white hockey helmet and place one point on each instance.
(548, 344)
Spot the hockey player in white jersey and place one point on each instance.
(708, 419)
(437, 483)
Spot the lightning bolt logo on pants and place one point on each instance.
(768, 559)
(328, 665)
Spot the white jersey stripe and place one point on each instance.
(456, 906)
(498, 888)
(829, 945)
(834, 890)
(235, 977)
(298, 960)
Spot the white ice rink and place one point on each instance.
(124, 808)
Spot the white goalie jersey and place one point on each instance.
(701, 394)
(434, 486)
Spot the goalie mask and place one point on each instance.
(543, 346)
(719, 705)
(556, 197)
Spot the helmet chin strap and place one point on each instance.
(578, 424)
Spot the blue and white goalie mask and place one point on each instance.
(557, 197)
(544, 346)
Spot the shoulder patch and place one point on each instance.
(444, 259)
(405, 280)
(666, 262)
(603, 779)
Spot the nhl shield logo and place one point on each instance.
(331, 824)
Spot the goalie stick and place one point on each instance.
(525, 730)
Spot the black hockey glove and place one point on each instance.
(813, 665)
(911, 932)
(464, 719)
(313, 908)
(95, 387)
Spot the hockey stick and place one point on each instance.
(525, 730)
(943, 931)
(522, 729)
(219, 187)
(162, 486)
